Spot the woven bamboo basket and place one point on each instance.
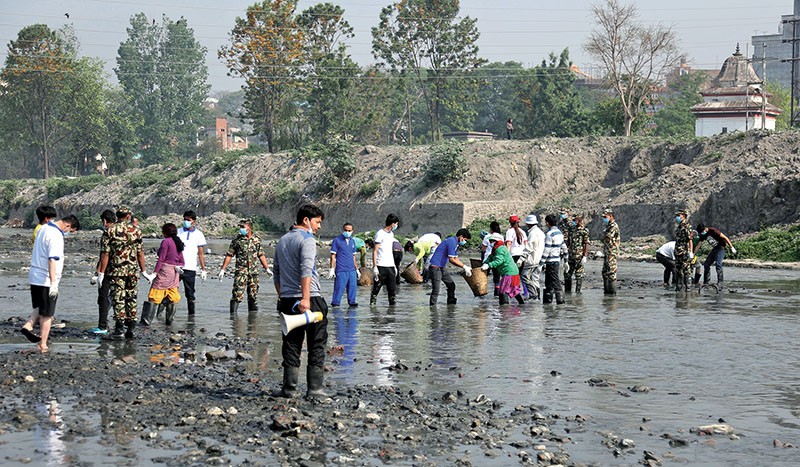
(367, 278)
(478, 281)
(411, 274)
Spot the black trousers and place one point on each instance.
(315, 334)
(188, 278)
(669, 267)
(439, 275)
(104, 302)
(552, 284)
(387, 277)
(398, 258)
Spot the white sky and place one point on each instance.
(511, 30)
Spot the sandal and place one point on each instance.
(43, 349)
(30, 335)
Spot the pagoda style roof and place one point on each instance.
(737, 71)
(754, 107)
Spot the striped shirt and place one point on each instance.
(553, 244)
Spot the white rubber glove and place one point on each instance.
(485, 267)
(733, 250)
(331, 274)
(100, 277)
(93, 280)
(179, 269)
(203, 275)
(691, 255)
(148, 277)
(584, 259)
(53, 290)
(358, 273)
(395, 271)
(566, 268)
(375, 271)
(467, 271)
(269, 271)
(520, 262)
(221, 274)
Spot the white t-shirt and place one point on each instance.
(192, 240)
(49, 244)
(383, 245)
(431, 238)
(516, 248)
(668, 250)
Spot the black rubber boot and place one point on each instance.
(547, 296)
(612, 287)
(252, 305)
(131, 325)
(148, 312)
(119, 330)
(160, 310)
(720, 278)
(190, 305)
(290, 376)
(568, 285)
(170, 313)
(314, 377)
(503, 299)
(234, 306)
(578, 284)
(373, 300)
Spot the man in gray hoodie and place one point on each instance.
(297, 283)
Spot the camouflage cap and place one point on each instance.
(245, 221)
(122, 210)
(563, 210)
(683, 212)
(608, 211)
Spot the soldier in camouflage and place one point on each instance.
(611, 242)
(578, 254)
(564, 225)
(121, 258)
(246, 248)
(684, 251)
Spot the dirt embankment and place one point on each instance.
(737, 182)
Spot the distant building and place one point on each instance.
(779, 48)
(229, 137)
(736, 101)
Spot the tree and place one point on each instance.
(499, 96)
(429, 40)
(781, 96)
(676, 117)
(162, 71)
(266, 49)
(332, 72)
(552, 105)
(635, 57)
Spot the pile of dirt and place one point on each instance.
(738, 182)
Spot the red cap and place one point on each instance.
(513, 219)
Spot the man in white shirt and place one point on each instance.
(194, 244)
(534, 247)
(383, 266)
(47, 264)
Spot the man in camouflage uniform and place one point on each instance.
(611, 242)
(565, 226)
(246, 248)
(121, 256)
(684, 251)
(578, 254)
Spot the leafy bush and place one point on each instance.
(475, 228)
(154, 176)
(446, 164)
(370, 188)
(265, 224)
(339, 158)
(58, 187)
(772, 244)
(284, 191)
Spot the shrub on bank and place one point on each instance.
(772, 244)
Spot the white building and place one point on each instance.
(735, 102)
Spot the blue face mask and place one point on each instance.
(678, 219)
(187, 224)
(242, 231)
(563, 216)
(347, 234)
(394, 227)
(462, 243)
(606, 220)
(573, 223)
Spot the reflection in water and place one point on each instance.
(382, 321)
(346, 325)
(442, 332)
(245, 328)
(50, 435)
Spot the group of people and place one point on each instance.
(679, 256)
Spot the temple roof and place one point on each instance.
(736, 71)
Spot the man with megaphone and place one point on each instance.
(297, 283)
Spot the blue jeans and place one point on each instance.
(345, 280)
(716, 256)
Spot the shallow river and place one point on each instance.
(705, 356)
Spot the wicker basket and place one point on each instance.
(478, 281)
(411, 274)
(367, 278)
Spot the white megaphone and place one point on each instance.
(293, 321)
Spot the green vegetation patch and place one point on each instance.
(446, 164)
(772, 244)
(58, 187)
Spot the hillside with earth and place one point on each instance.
(738, 182)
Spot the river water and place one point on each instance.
(705, 356)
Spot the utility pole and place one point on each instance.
(793, 61)
(764, 86)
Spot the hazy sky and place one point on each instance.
(520, 30)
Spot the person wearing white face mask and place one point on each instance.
(246, 247)
(344, 268)
(193, 255)
(383, 261)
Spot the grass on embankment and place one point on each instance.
(771, 244)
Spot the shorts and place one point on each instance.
(41, 301)
(159, 295)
